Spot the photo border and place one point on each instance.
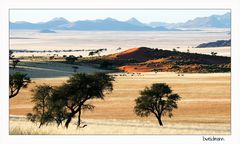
(229, 9)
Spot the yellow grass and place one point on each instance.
(19, 126)
(204, 108)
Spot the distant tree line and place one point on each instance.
(56, 51)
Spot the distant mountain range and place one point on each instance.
(110, 24)
(214, 21)
(219, 43)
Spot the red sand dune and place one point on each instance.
(130, 50)
(157, 60)
(135, 68)
(139, 54)
(145, 59)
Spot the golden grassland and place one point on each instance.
(19, 126)
(203, 109)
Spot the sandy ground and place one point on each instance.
(112, 40)
(205, 101)
(116, 126)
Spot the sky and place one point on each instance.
(146, 16)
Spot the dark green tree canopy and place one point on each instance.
(79, 89)
(69, 99)
(41, 96)
(71, 59)
(158, 100)
(16, 82)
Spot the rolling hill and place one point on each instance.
(219, 43)
(148, 59)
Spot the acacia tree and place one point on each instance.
(41, 109)
(71, 59)
(213, 53)
(91, 53)
(15, 62)
(99, 51)
(46, 110)
(66, 101)
(17, 81)
(11, 54)
(157, 100)
(79, 89)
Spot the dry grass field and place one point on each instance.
(204, 108)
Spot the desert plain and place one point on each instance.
(205, 107)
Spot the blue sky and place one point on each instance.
(172, 16)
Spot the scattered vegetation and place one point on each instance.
(13, 59)
(158, 100)
(213, 53)
(63, 103)
(92, 53)
(17, 81)
(41, 98)
(170, 61)
(71, 59)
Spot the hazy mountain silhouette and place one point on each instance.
(136, 22)
(110, 24)
(217, 21)
(47, 31)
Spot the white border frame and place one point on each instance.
(234, 5)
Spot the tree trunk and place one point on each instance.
(40, 125)
(70, 117)
(160, 120)
(68, 121)
(79, 118)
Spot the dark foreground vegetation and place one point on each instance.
(17, 81)
(63, 103)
